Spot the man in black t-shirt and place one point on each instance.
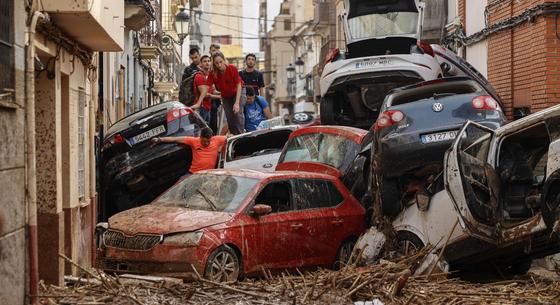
(251, 76)
(194, 55)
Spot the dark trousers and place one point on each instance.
(214, 115)
(236, 121)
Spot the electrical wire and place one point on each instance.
(251, 18)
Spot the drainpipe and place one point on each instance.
(31, 179)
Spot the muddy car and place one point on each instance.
(340, 151)
(258, 150)
(384, 51)
(498, 199)
(227, 224)
(417, 124)
(133, 173)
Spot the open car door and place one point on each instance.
(472, 182)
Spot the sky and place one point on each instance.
(251, 9)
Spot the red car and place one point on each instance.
(232, 223)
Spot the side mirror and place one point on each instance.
(261, 210)
(422, 201)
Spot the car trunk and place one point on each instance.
(364, 94)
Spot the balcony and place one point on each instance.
(138, 14)
(322, 14)
(96, 24)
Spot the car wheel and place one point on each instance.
(390, 197)
(344, 253)
(223, 265)
(550, 202)
(328, 115)
(520, 267)
(408, 243)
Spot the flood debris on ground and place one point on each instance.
(387, 282)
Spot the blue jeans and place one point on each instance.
(205, 114)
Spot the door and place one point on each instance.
(472, 182)
(285, 232)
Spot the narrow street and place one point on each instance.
(279, 152)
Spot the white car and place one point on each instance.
(498, 198)
(257, 150)
(384, 51)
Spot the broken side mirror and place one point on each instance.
(422, 201)
(261, 210)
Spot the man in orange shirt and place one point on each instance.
(205, 149)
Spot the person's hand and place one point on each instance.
(155, 141)
(236, 108)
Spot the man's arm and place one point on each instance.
(267, 113)
(178, 140)
(261, 84)
(203, 90)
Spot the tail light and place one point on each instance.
(177, 113)
(426, 48)
(332, 55)
(115, 139)
(388, 118)
(484, 102)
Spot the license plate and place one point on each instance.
(147, 135)
(439, 136)
(373, 63)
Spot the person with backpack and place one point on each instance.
(251, 76)
(203, 89)
(256, 110)
(186, 94)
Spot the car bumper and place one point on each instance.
(398, 155)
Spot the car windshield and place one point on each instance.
(209, 192)
(333, 150)
(381, 25)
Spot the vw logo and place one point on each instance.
(437, 107)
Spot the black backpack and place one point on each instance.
(186, 90)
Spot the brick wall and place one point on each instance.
(523, 62)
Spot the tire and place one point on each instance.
(223, 265)
(328, 115)
(408, 243)
(390, 197)
(550, 202)
(344, 253)
(520, 267)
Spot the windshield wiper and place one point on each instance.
(212, 205)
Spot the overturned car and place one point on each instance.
(498, 198)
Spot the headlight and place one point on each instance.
(188, 239)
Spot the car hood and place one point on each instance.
(158, 219)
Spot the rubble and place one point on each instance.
(384, 283)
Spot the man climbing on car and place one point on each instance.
(205, 148)
(256, 110)
(203, 89)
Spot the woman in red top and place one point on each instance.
(228, 82)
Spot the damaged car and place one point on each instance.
(228, 224)
(258, 150)
(417, 124)
(131, 172)
(498, 200)
(385, 50)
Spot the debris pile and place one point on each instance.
(384, 283)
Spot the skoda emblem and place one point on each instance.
(437, 107)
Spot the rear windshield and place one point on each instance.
(431, 91)
(262, 144)
(333, 150)
(209, 192)
(381, 25)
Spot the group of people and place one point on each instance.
(217, 83)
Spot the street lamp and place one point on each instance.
(299, 67)
(182, 22)
(291, 70)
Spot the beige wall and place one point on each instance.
(223, 25)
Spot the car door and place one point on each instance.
(285, 232)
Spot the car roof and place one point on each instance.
(254, 174)
(352, 133)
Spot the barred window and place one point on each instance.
(81, 145)
(6, 45)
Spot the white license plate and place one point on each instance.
(373, 63)
(147, 135)
(439, 136)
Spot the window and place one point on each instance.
(520, 112)
(316, 193)
(6, 46)
(277, 195)
(221, 39)
(287, 25)
(81, 145)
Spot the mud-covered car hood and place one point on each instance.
(159, 219)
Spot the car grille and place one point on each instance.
(143, 242)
